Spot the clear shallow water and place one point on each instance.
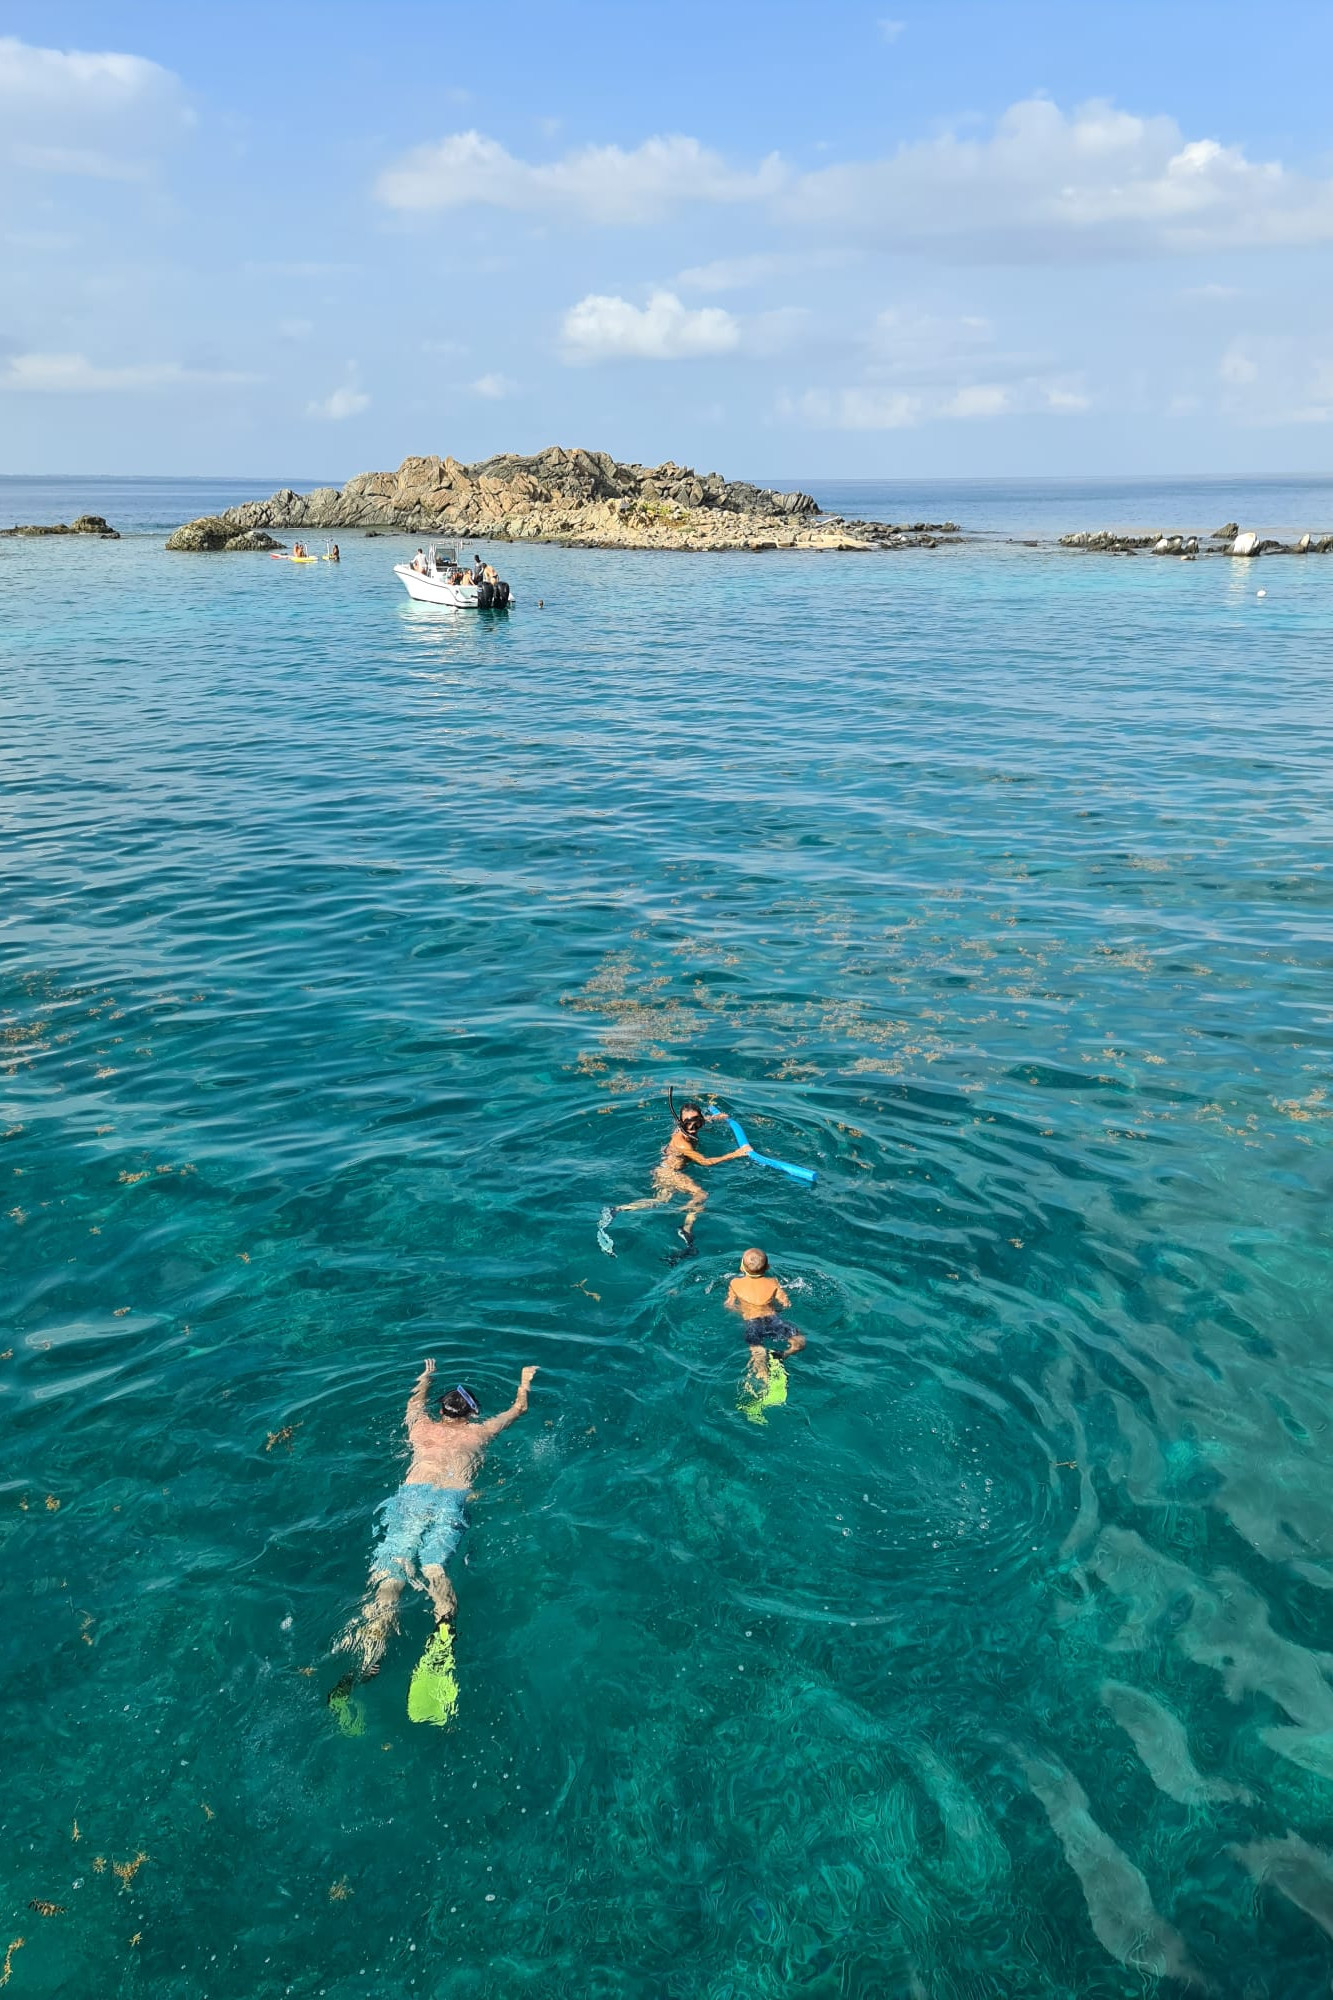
(348, 950)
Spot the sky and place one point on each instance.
(885, 240)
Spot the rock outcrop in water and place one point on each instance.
(214, 531)
(559, 495)
(86, 524)
(1227, 541)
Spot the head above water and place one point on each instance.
(754, 1263)
(460, 1404)
(690, 1116)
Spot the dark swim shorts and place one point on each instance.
(759, 1332)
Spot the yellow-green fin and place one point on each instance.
(345, 1712)
(758, 1398)
(433, 1694)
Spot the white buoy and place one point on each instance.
(1261, 593)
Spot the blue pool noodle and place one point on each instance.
(806, 1174)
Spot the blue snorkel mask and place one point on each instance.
(468, 1398)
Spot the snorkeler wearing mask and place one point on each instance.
(421, 1527)
(670, 1180)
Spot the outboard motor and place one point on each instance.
(501, 595)
(485, 596)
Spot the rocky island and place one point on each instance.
(86, 524)
(581, 497)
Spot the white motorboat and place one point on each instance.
(431, 585)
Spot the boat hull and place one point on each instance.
(458, 596)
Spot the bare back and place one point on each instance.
(756, 1297)
(446, 1451)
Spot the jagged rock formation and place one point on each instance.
(1227, 541)
(216, 531)
(570, 496)
(87, 524)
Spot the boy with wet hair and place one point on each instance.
(754, 1294)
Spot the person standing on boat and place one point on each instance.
(478, 568)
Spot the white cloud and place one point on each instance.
(284, 270)
(348, 400)
(1065, 401)
(1097, 182)
(1278, 378)
(1044, 183)
(929, 347)
(594, 184)
(296, 329)
(863, 409)
(1238, 367)
(68, 111)
(890, 30)
(494, 387)
(922, 368)
(75, 375)
(599, 328)
(736, 274)
(980, 399)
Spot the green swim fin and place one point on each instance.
(345, 1712)
(758, 1399)
(433, 1694)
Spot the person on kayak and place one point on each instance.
(425, 1520)
(670, 1180)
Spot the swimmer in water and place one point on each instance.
(754, 1295)
(670, 1180)
(425, 1520)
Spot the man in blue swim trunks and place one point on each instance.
(426, 1519)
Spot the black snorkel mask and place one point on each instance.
(695, 1118)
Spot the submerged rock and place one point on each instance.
(216, 531)
(86, 524)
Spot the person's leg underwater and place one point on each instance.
(669, 1185)
(433, 1693)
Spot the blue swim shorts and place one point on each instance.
(420, 1524)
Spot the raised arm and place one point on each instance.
(703, 1160)
(416, 1402)
(516, 1408)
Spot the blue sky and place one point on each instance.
(860, 240)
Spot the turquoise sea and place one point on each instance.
(348, 949)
